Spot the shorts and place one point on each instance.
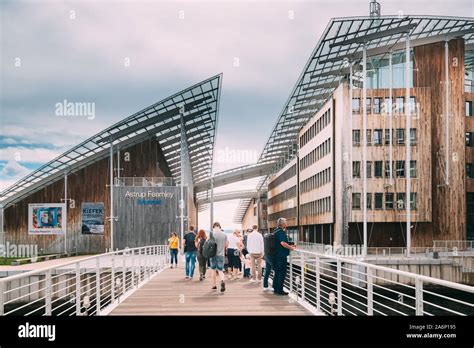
(217, 262)
(234, 260)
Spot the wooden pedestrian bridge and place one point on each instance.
(139, 281)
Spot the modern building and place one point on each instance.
(139, 171)
(376, 136)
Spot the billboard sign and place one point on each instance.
(92, 218)
(47, 218)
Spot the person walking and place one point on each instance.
(268, 269)
(255, 249)
(202, 260)
(190, 251)
(282, 250)
(173, 243)
(233, 254)
(217, 262)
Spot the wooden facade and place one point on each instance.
(90, 184)
(440, 209)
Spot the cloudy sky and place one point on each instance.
(126, 55)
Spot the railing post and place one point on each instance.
(339, 288)
(112, 279)
(302, 276)
(48, 291)
(419, 296)
(97, 286)
(78, 289)
(291, 274)
(124, 273)
(318, 284)
(139, 266)
(148, 264)
(132, 269)
(370, 292)
(2, 300)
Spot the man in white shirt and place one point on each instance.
(255, 249)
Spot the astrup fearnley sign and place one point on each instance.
(149, 194)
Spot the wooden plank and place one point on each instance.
(169, 293)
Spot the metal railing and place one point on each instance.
(89, 286)
(449, 245)
(145, 181)
(342, 286)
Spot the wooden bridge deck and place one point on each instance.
(169, 293)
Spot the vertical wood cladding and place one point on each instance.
(89, 184)
(449, 211)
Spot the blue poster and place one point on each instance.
(92, 218)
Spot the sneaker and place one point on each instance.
(201, 277)
(187, 277)
(284, 293)
(265, 289)
(214, 288)
(252, 280)
(171, 267)
(222, 286)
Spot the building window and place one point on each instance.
(356, 169)
(400, 136)
(400, 200)
(377, 105)
(469, 171)
(469, 139)
(469, 108)
(377, 137)
(368, 104)
(388, 200)
(378, 200)
(378, 169)
(387, 105)
(356, 137)
(413, 200)
(387, 137)
(412, 136)
(369, 169)
(399, 105)
(400, 168)
(369, 136)
(413, 110)
(369, 200)
(387, 169)
(356, 201)
(413, 169)
(356, 105)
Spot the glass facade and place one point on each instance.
(378, 76)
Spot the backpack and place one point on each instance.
(269, 245)
(201, 246)
(210, 247)
(190, 241)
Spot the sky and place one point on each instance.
(123, 56)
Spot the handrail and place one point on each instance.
(339, 285)
(93, 285)
(432, 280)
(62, 265)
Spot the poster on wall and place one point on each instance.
(92, 218)
(47, 218)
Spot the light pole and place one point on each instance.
(181, 201)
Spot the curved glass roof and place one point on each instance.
(340, 45)
(160, 120)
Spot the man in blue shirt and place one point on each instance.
(281, 253)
